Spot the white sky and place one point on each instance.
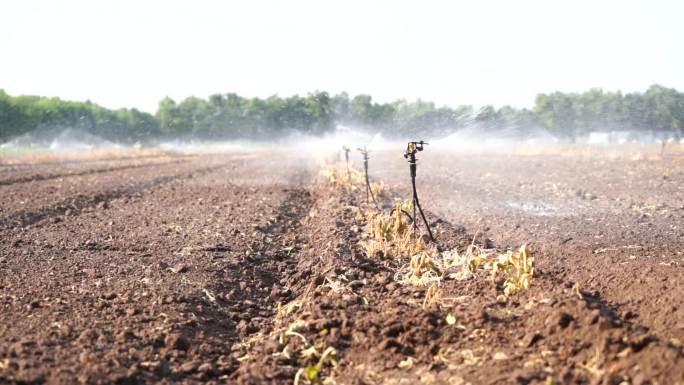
(133, 53)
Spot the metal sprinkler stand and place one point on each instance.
(346, 157)
(369, 191)
(411, 149)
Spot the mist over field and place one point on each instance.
(228, 122)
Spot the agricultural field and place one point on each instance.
(552, 265)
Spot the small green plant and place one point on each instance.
(312, 373)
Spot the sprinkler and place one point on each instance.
(369, 191)
(346, 157)
(411, 149)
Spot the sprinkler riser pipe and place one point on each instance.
(411, 149)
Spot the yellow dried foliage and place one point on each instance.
(518, 268)
(378, 188)
(422, 270)
(433, 296)
(340, 177)
(391, 235)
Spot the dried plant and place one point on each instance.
(518, 268)
(391, 235)
(349, 179)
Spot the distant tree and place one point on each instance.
(230, 116)
(171, 121)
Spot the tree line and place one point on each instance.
(37, 114)
(230, 116)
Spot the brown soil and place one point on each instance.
(245, 268)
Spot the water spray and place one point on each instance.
(369, 192)
(411, 149)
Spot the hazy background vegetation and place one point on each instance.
(229, 116)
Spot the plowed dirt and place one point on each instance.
(246, 268)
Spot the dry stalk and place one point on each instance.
(343, 178)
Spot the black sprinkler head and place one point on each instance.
(413, 147)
